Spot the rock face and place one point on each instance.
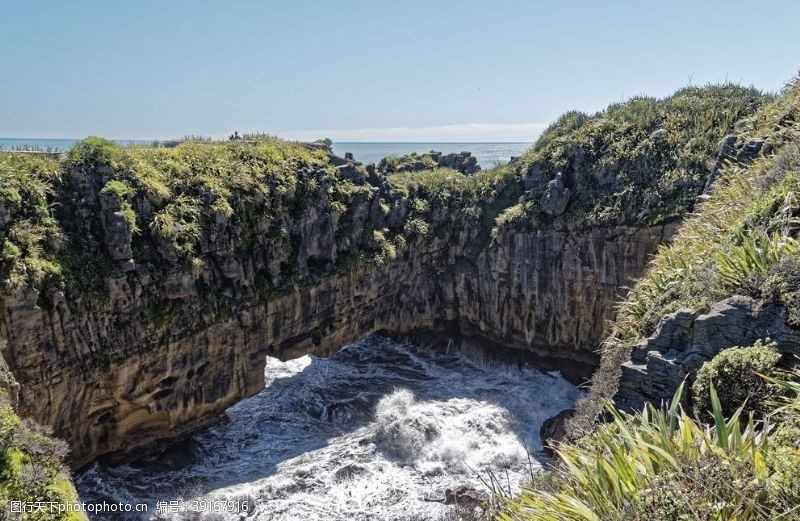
(463, 162)
(553, 291)
(684, 340)
(465, 496)
(556, 197)
(167, 353)
(554, 429)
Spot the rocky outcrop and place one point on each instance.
(169, 349)
(553, 291)
(554, 429)
(556, 196)
(685, 339)
(463, 162)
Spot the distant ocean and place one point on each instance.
(487, 154)
(53, 145)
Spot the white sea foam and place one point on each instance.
(374, 432)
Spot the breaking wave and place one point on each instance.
(378, 431)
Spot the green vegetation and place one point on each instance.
(31, 466)
(736, 375)
(741, 239)
(443, 195)
(662, 464)
(412, 162)
(667, 464)
(639, 162)
(28, 230)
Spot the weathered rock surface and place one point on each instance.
(556, 196)
(553, 291)
(168, 352)
(465, 496)
(554, 429)
(684, 340)
(463, 162)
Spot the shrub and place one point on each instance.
(735, 374)
(642, 161)
(754, 255)
(28, 238)
(662, 464)
(31, 465)
(94, 151)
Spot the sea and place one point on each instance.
(378, 431)
(487, 154)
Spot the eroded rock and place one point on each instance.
(556, 197)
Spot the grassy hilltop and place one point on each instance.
(668, 464)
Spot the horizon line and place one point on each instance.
(145, 140)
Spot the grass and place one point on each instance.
(666, 464)
(663, 464)
(31, 467)
(639, 162)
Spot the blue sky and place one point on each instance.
(367, 70)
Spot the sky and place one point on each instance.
(378, 70)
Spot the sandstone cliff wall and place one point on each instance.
(685, 339)
(168, 351)
(113, 380)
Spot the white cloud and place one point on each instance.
(466, 132)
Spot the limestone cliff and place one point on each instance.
(730, 277)
(160, 359)
(144, 287)
(171, 348)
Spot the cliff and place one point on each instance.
(694, 411)
(730, 277)
(144, 287)
(168, 349)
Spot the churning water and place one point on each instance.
(377, 431)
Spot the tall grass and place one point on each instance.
(664, 464)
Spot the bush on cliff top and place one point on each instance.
(28, 232)
(409, 163)
(734, 373)
(639, 162)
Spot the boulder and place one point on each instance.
(465, 496)
(556, 197)
(554, 430)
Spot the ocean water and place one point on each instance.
(487, 154)
(53, 145)
(378, 431)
